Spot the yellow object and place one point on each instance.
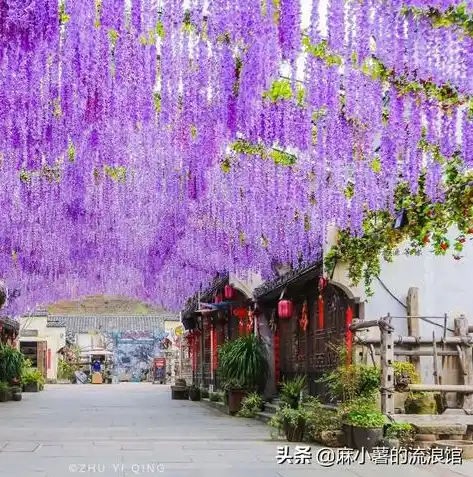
(179, 330)
(97, 378)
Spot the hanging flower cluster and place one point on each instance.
(145, 149)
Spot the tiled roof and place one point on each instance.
(193, 302)
(108, 323)
(273, 288)
(172, 318)
(9, 322)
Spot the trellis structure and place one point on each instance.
(459, 346)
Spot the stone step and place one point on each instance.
(264, 416)
(270, 408)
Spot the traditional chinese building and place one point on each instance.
(304, 319)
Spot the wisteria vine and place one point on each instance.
(146, 146)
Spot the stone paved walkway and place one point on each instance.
(131, 429)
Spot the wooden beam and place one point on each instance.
(372, 354)
(418, 353)
(413, 325)
(363, 325)
(461, 329)
(387, 371)
(436, 363)
(447, 388)
(412, 340)
(460, 360)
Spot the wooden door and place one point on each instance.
(42, 357)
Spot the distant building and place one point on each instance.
(130, 341)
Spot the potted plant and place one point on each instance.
(367, 424)
(12, 361)
(243, 367)
(194, 393)
(204, 393)
(32, 380)
(290, 423)
(324, 425)
(291, 391)
(16, 393)
(216, 397)
(398, 434)
(5, 392)
(404, 374)
(251, 405)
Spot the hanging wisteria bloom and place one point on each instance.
(143, 150)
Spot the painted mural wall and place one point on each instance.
(133, 351)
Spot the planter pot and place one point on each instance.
(179, 393)
(347, 430)
(235, 398)
(5, 396)
(294, 433)
(366, 438)
(389, 442)
(17, 396)
(31, 388)
(194, 394)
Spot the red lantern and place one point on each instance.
(285, 309)
(228, 292)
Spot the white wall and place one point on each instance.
(246, 285)
(444, 284)
(88, 341)
(444, 287)
(55, 338)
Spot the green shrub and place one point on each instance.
(32, 375)
(243, 363)
(348, 382)
(216, 397)
(321, 419)
(204, 393)
(12, 361)
(405, 373)
(291, 390)
(251, 405)
(363, 413)
(403, 431)
(66, 370)
(287, 416)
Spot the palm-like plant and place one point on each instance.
(12, 361)
(291, 391)
(243, 363)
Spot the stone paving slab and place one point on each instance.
(115, 430)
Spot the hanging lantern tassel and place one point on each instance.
(251, 322)
(241, 327)
(349, 335)
(190, 340)
(215, 348)
(321, 312)
(196, 349)
(277, 357)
